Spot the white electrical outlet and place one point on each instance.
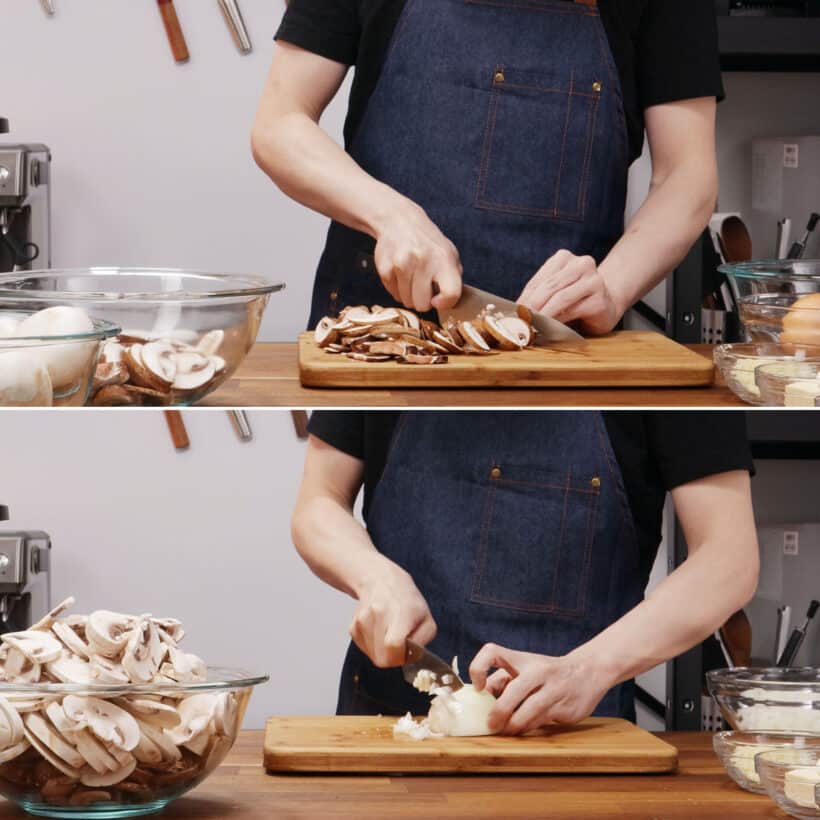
(791, 542)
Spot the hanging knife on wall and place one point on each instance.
(236, 25)
(176, 39)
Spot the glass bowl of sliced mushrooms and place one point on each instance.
(105, 716)
(183, 332)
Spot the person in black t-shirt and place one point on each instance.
(489, 141)
(523, 543)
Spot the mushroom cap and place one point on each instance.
(107, 721)
(144, 652)
(108, 632)
(39, 647)
(39, 728)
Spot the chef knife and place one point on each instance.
(473, 301)
(420, 659)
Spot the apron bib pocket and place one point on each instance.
(528, 165)
(551, 520)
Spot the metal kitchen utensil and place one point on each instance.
(473, 301)
(797, 637)
(176, 39)
(239, 420)
(420, 659)
(798, 250)
(236, 25)
(48, 7)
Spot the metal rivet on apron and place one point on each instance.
(595, 482)
(356, 680)
(499, 77)
(364, 264)
(333, 296)
(495, 472)
(597, 86)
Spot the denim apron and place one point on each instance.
(504, 120)
(516, 528)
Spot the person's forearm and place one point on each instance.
(334, 545)
(311, 168)
(660, 235)
(685, 608)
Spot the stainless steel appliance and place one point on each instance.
(25, 206)
(25, 577)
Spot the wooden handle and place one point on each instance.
(300, 423)
(179, 48)
(176, 425)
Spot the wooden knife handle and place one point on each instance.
(179, 48)
(176, 424)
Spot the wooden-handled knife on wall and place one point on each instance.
(176, 39)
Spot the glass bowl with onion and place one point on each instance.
(183, 333)
(778, 300)
(768, 699)
(48, 357)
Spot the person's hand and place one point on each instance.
(390, 610)
(417, 264)
(537, 690)
(570, 288)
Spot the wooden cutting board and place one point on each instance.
(366, 745)
(626, 358)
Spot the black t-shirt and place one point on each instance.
(665, 50)
(656, 451)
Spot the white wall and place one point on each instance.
(201, 535)
(151, 161)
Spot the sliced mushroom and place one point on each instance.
(161, 739)
(15, 751)
(115, 395)
(11, 725)
(358, 315)
(169, 628)
(141, 372)
(196, 722)
(112, 352)
(325, 333)
(104, 670)
(226, 714)
(90, 777)
(194, 370)
(20, 669)
(367, 357)
(89, 797)
(57, 762)
(39, 647)
(107, 721)
(71, 639)
(48, 620)
(66, 727)
(510, 333)
(37, 727)
(155, 712)
(443, 338)
(160, 359)
(58, 788)
(409, 318)
(144, 652)
(471, 336)
(94, 752)
(70, 669)
(184, 667)
(109, 373)
(108, 632)
(210, 343)
(385, 316)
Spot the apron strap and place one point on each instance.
(592, 3)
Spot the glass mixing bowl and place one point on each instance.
(46, 371)
(778, 301)
(789, 384)
(737, 752)
(768, 699)
(202, 325)
(792, 779)
(98, 780)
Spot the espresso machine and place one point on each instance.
(25, 577)
(25, 206)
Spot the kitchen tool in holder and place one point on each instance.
(176, 38)
(797, 637)
(798, 250)
(48, 7)
(239, 420)
(236, 25)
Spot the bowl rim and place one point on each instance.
(734, 349)
(254, 285)
(219, 677)
(729, 736)
(744, 675)
(103, 329)
(767, 370)
(772, 269)
(775, 763)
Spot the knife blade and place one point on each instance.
(473, 301)
(420, 659)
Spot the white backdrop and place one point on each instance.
(202, 535)
(151, 161)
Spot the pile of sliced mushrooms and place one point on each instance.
(133, 370)
(380, 334)
(83, 749)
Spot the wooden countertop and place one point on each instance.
(241, 790)
(269, 377)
